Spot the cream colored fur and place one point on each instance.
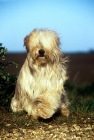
(40, 85)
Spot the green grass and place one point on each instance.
(80, 97)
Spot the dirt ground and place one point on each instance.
(19, 126)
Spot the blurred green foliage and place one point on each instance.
(7, 80)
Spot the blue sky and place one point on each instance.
(73, 20)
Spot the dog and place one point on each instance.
(40, 86)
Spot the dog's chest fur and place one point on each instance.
(41, 80)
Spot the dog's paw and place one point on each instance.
(15, 106)
(33, 116)
(65, 112)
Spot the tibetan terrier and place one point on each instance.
(40, 85)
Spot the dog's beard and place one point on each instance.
(42, 59)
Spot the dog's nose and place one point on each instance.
(41, 52)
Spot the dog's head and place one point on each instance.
(43, 45)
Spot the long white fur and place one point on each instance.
(39, 88)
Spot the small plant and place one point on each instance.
(7, 80)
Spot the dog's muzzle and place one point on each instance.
(41, 53)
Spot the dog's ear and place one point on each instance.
(26, 42)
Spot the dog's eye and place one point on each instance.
(41, 52)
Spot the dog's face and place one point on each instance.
(43, 45)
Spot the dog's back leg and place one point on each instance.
(15, 102)
(64, 105)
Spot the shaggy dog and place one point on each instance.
(40, 85)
